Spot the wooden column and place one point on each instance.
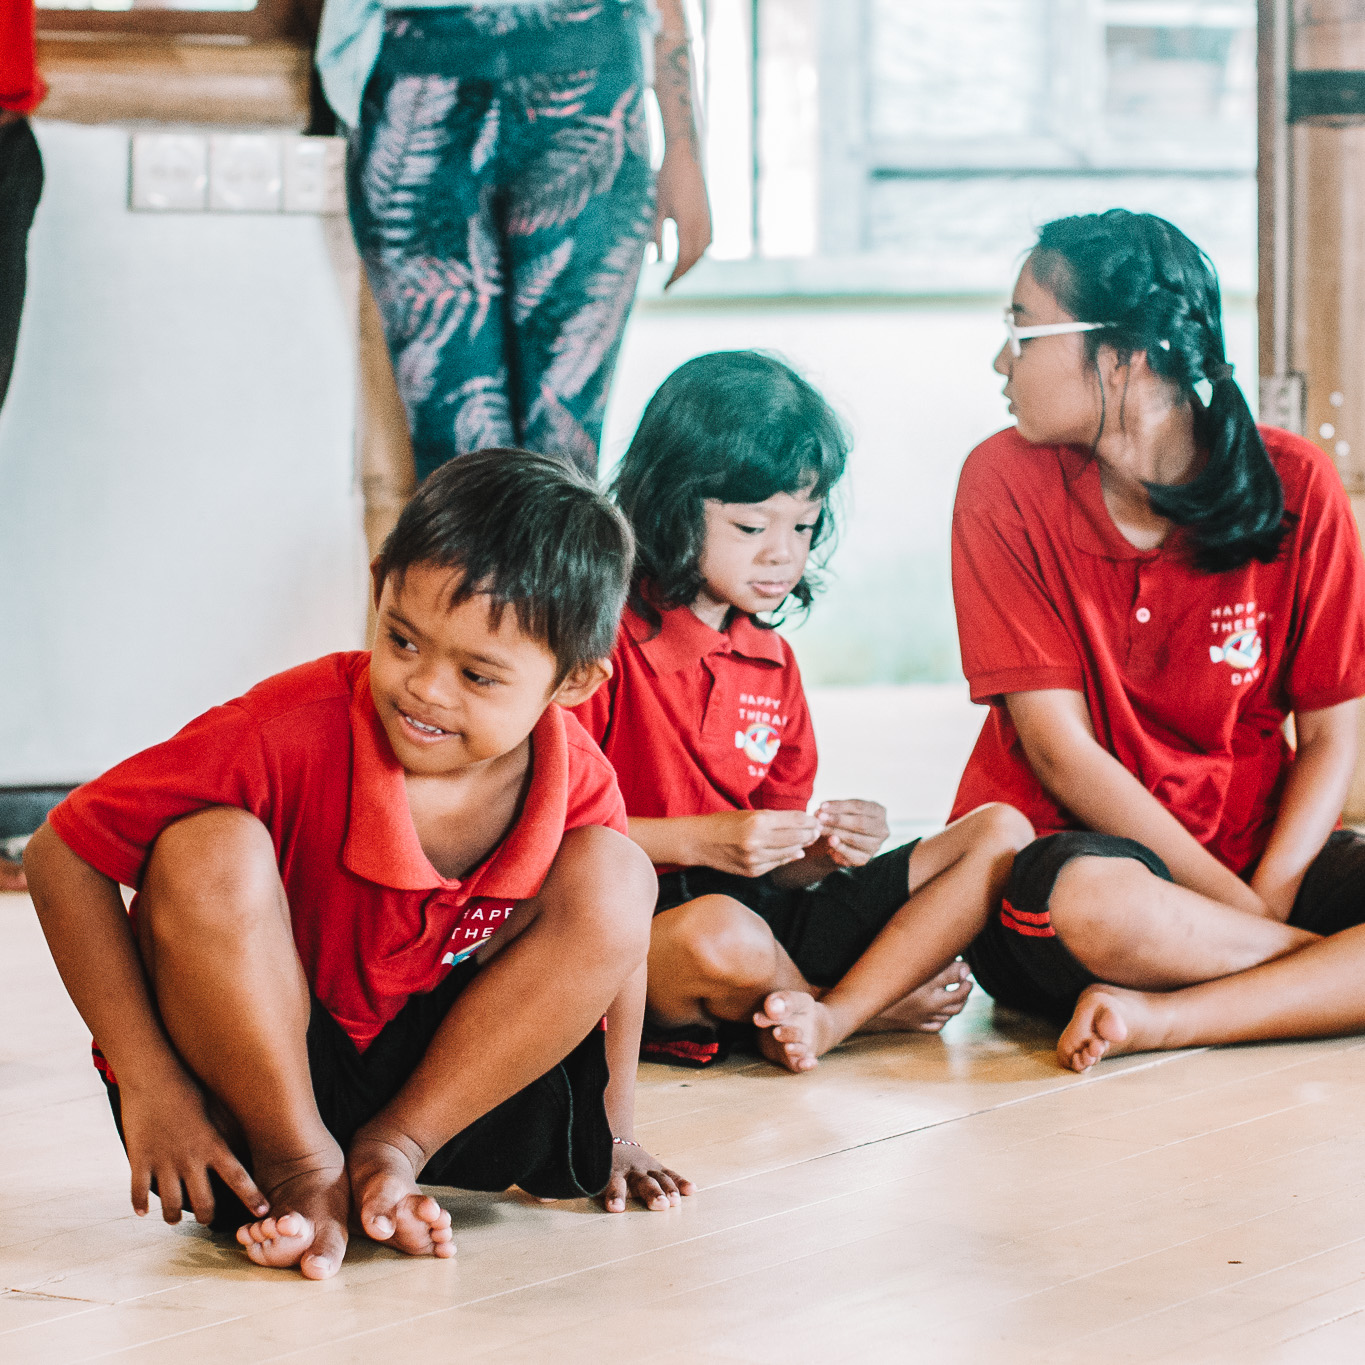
(1312, 248)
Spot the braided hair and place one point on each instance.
(1158, 293)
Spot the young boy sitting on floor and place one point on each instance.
(384, 900)
(765, 913)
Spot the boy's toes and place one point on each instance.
(323, 1258)
(422, 1227)
(277, 1242)
(383, 1193)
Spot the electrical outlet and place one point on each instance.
(170, 171)
(314, 174)
(245, 174)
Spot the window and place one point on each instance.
(245, 20)
(936, 136)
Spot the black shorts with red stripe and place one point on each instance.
(1021, 960)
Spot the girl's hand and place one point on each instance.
(635, 1172)
(854, 830)
(752, 842)
(171, 1138)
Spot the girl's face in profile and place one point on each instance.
(1053, 390)
(755, 553)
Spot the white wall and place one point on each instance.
(178, 514)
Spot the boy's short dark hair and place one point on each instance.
(532, 533)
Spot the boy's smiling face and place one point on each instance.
(453, 690)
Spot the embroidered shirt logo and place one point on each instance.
(481, 919)
(1237, 629)
(1241, 651)
(760, 742)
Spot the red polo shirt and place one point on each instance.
(696, 720)
(21, 87)
(306, 754)
(1188, 676)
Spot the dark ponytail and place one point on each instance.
(1159, 294)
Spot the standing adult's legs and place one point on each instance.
(21, 184)
(574, 260)
(421, 193)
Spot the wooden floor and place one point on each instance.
(957, 1199)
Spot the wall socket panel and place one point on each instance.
(191, 172)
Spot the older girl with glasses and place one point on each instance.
(1148, 590)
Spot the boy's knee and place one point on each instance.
(216, 865)
(609, 883)
(725, 941)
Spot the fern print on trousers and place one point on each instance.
(502, 218)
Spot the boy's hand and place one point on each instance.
(171, 1138)
(635, 1172)
(854, 830)
(752, 842)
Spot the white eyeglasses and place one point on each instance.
(1047, 329)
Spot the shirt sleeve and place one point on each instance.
(791, 775)
(1327, 637)
(1013, 638)
(216, 760)
(594, 796)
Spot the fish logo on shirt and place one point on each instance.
(1241, 651)
(759, 742)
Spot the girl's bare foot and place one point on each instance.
(795, 1030)
(392, 1209)
(1108, 1021)
(310, 1202)
(930, 1007)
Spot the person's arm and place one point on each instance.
(746, 842)
(681, 184)
(633, 1170)
(1054, 728)
(167, 1130)
(1310, 804)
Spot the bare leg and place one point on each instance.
(1314, 992)
(214, 932)
(711, 959)
(955, 881)
(537, 998)
(1128, 926)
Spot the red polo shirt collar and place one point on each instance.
(1092, 528)
(683, 639)
(381, 841)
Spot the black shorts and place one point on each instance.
(825, 928)
(1018, 958)
(552, 1138)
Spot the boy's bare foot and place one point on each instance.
(392, 1209)
(309, 1208)
(1108, 1021)
(795, 1030)
(927, 1009)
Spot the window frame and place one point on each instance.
(269, 20)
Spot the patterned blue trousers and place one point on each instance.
(501, 197)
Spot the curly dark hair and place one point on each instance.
(1158, 293)
(734, 426)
